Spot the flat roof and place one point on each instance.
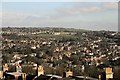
(15, 73)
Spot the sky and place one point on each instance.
(80, 15)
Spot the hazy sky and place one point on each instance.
(83, 15)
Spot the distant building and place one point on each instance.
(109, 73)
(15, 76)
(69, 73)
(5, 67)
(40, 70)
(18, 68)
